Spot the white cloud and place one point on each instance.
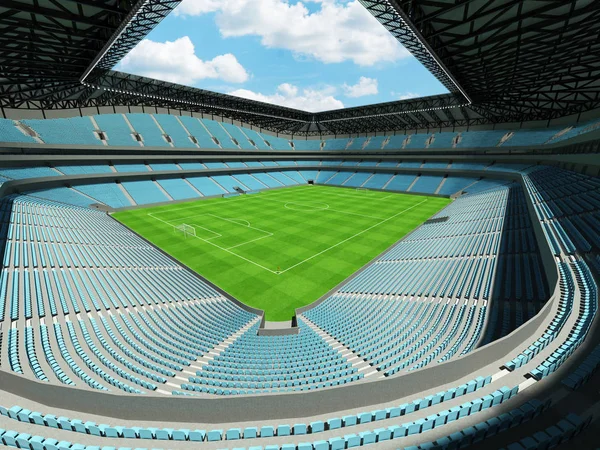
(405, 95)
(337, 31)
(307, 99)
(365, 86)
(177, 62)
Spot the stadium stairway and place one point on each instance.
(81, 314)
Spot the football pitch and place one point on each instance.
(281, 249)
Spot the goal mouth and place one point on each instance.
(185, 229)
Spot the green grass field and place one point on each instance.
(281, 249)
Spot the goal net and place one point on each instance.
(185, 229)
(362, 190)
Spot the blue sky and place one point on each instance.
(312, 55)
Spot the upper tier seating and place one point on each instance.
(73, 131)
(80, 131)
(217, 131)
(277, 143)
(257, 138)
(443, 140)
(10, 133)
(173, 127)
(357, 143)
(417, 141)
(570, 132)
(117, 131)
(336, 144)
(237, 134)
(145, 125)
(480, 139)
(376, 143)
(199, 131)
(304, 145)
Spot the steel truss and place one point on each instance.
(517, 60)
(502, 61)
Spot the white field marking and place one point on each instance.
(306, 205)
(221, 248)
(267, 233)
(199, 205)
(234, 221)
(370, 197)
(353, 236)
(248, 242)
(327, 209)
(301, 262)
(347, 195)
(218, 235)
(241, 220)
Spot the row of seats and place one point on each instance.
(562, 432)
(174, 165)
(403, 312)
(156, 334)
(587, 312)
(584, 371)
(577, 312)
(469, 408)
(58, 261)
(272, 363)
(142, 192)
(158, 130)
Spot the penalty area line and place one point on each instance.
(351, 237)
(222, 248)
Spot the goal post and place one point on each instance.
(362, 190)
(185, 229)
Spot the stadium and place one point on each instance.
(183, 268)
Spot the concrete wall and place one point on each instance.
(289, 405)
(273, 406)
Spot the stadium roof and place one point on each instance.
(502, 61)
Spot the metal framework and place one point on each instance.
(518, 60)
(501, 60)
(140, 21)
(117, 88)
(48, 46)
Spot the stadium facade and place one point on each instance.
(477, 330)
